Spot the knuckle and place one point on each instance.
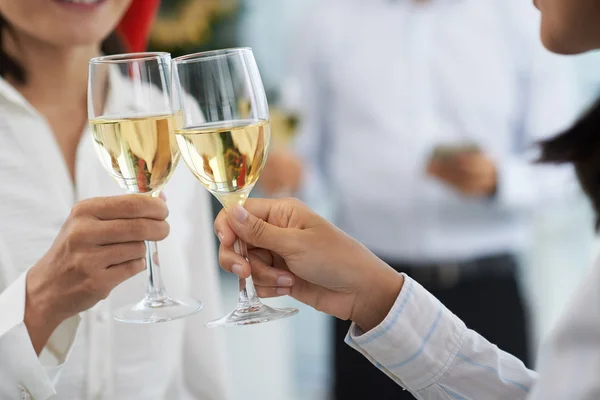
(104, 291)
(164, 230)
(223, 264)
(257, 229)
(80, 209)
(78, 262)
(138, 228)
(264, 292)
(295, 203)
(260, 278)
(136, 266)
(260, 291)
(155, 230)
(77, 234)
(226, 258)
(130, 204)
(223, 259)
(162, 208)
(139, 249)
(157, 208)
(140, 265)
(220, 221)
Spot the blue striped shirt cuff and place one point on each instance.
(417, 341)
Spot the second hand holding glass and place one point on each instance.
(224, 141)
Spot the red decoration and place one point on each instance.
(241, 179)
(137, 22)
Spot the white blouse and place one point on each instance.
(430, 352)
(91, 356)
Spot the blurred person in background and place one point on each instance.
(417, 120)
(63, 248)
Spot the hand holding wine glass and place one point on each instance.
(100, 245)
(293, 251)
(136, 145)
(224, 141)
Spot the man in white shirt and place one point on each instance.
(386, 91)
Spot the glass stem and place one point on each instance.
(155, 291)
(247, 297)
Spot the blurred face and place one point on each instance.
(64, 22)
(570, 26)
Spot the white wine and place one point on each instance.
(139, 152)
(228, 157)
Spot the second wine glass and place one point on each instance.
(224, 141)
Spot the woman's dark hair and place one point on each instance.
(8, 66)
(580, 146)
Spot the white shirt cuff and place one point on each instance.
(417, 341)
(21, 368)
(515, 188)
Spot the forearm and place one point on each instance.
(427, 350)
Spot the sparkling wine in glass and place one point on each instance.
(134, 138)
(224, 140)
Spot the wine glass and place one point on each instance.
(224, 140)
(133, 127)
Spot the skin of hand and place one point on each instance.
(471, 173)
(293, 251)
(282, 173)
(100, 245)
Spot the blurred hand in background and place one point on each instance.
(282, 174)
(471, 173)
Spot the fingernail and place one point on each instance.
(237, 269)
(240, 213)
(285, 280)
(283, 291)
(220, 236)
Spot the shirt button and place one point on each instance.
(25, 395)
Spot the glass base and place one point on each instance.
(152, 311)
(257, 314)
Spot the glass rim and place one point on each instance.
(211, 54)
(130, 57)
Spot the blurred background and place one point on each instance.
(293, 359)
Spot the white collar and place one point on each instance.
(9, 94)
(114, 101)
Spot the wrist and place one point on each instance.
(41, 318)
(379, 290)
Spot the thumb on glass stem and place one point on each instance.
(258, 232)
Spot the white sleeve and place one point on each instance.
(21, 370)
(570, 359)
(427, 350)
